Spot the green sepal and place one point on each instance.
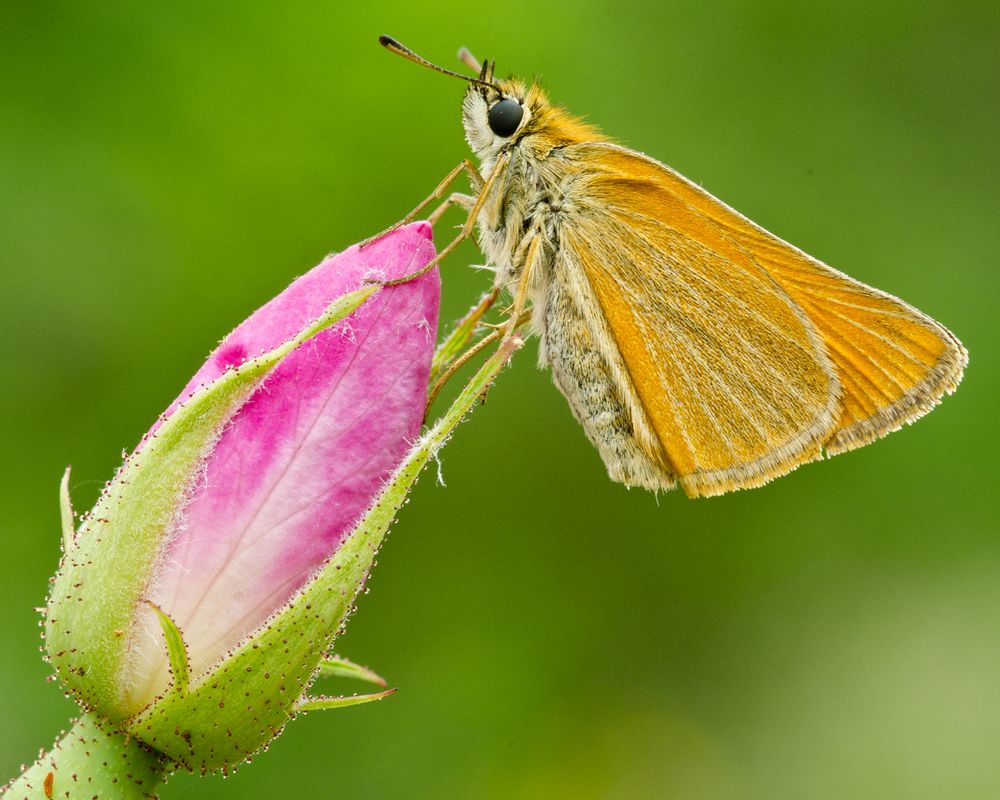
(324, 703)
(233, 710)
(176, 649)
(103, 575)
(66, 512)
(339, 667)
(455, 341)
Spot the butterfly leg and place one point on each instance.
(532, 255)
(464, 330)
(466, 231)
(453, 367)
(456, 364)
(474, 178)
(454, 199)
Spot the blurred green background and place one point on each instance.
(165, 168)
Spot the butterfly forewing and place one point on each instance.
(893, 362)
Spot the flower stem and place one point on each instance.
(92, 760)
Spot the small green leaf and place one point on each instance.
(176, 650)
(66, 512)
(338, 667)
(323, 702)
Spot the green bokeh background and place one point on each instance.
(164, 170)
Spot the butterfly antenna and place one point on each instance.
(402, 50)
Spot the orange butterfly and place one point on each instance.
(692, 345)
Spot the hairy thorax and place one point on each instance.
(532, 199)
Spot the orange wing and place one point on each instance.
(748, 356)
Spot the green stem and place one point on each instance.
(92, 760)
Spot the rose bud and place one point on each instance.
(195, 604)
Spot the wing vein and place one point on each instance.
(718, 289)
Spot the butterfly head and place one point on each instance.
(499, 114)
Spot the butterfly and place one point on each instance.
(693, 346)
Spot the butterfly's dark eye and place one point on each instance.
(505, 116)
